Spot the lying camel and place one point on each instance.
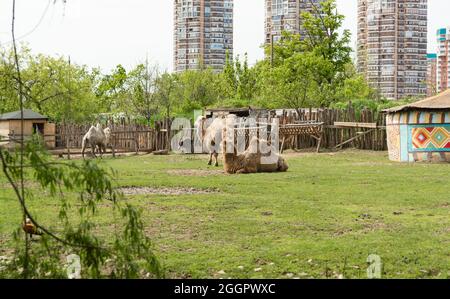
(252, 160)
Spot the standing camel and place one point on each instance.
(107, 143)
(96, 138)
(211, 137)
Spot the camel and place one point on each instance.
(107, 142)
(252, 160)
(211, 137)
(96, 138)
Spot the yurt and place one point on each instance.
(420, 131)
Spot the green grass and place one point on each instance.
(322, 218)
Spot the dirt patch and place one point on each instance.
(165, 191)
(369, 164)
(196, 172)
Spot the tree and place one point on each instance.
(355, 87)
(112, 90)
(237, 83)
(196, 90)
(8, 86)
(77, 190)
(53, 86)
(290, 84)
(323, 38)
(164, 92)
(314, 69)
(142, 82)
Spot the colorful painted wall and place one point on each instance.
(415, 136)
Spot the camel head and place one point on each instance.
(107, 133)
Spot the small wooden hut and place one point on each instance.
(10, 126)
(239, 112)
(420, 131)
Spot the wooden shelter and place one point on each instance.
(34, 123)
(239, 112)
(420, 131)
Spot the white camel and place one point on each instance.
(96, 137)
(107, 142)
(211, 137)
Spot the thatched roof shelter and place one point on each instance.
(420, 131)
(438, 102)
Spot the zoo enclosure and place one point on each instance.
(126, 137)
(131, 137)
(365, 129)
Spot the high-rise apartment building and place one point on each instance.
(443, 67)
(392, 46)
(285, 15)
(431, 74)
(203, 34)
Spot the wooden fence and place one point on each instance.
(126, 137)
(335, 135)
(130, 137)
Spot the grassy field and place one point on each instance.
(322, 218)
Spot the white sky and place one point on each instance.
(105, 33)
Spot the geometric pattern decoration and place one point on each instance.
(429, 138)
(393, 142)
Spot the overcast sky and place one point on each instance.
(105, 33)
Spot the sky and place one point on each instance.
(104, 33)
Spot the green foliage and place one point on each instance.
(196, 90)
(78, 189)
(113, 89)
(165, 92)
(52, 86)
(313, 70)
(290, 84)
(324, 39)
(354, 87)
(374, 105)
(238, 83)
(142, 84)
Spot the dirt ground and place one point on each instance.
(165, 191)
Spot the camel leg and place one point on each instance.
(102, 150)
(251, 169)
(113, 151)
(93, 150)
(83, 147)
(210, 158)
(216, 156)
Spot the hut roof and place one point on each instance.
(232, 110)
(27, 115)
(437, 102)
